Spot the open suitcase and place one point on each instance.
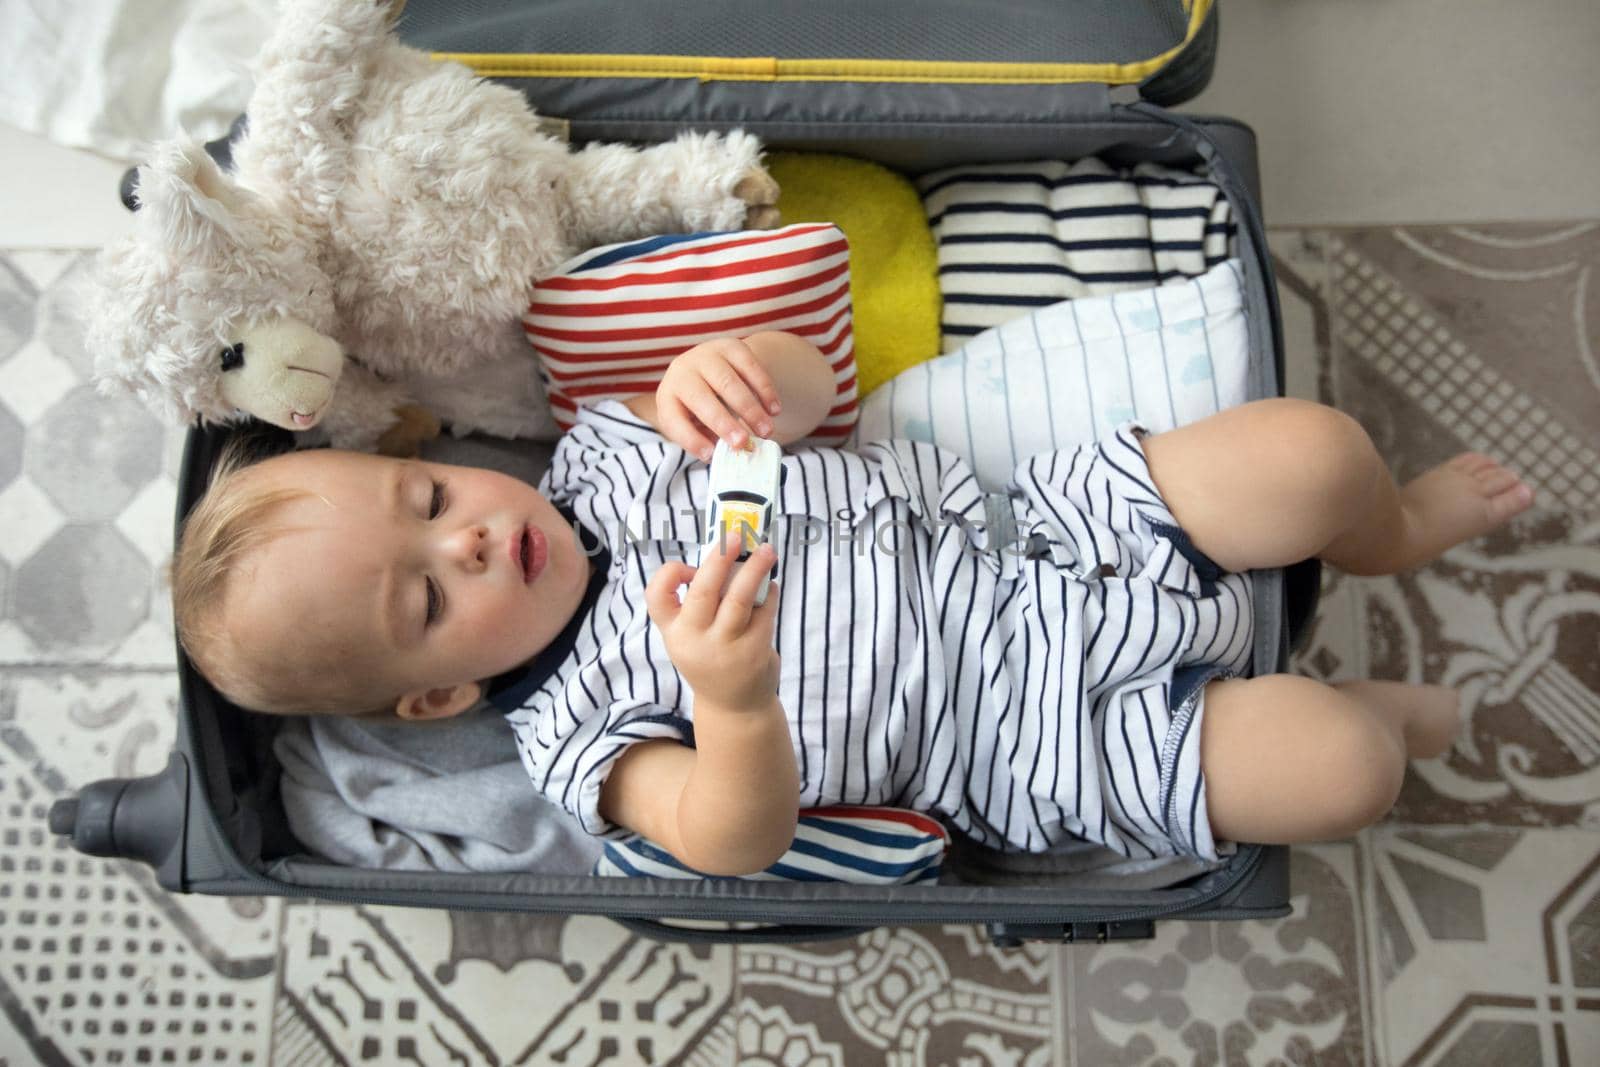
(921, 86)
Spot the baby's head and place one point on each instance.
(325, 582)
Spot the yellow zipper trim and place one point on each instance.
(758, 68)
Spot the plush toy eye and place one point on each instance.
(233, 357)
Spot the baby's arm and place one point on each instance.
(775, 385)
(728, 805)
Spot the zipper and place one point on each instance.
(710, 68)
(846, 913)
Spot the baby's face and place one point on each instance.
(420, 574)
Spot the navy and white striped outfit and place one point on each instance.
(1024, 697)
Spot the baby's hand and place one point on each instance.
(715, 389)
(720, 642)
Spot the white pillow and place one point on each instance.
(1073, 372)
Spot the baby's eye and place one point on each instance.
(436, 501)
(435, 603)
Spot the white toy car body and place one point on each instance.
(743, 496)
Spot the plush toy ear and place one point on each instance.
(185, 194)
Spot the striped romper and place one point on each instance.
(1027, 685)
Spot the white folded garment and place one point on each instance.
(1072, 372)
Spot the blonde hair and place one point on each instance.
(229, 522)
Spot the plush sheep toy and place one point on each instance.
(383, 225)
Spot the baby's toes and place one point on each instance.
(1493, 479)
(1512, 498)
(1504, 494)
(1472, 463)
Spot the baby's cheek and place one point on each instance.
(494, 617)
(507, 623)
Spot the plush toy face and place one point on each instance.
(214, 307)
(281, 371)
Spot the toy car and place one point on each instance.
(744, 489)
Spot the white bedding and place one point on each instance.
(109, 75)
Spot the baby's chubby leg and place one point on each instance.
(1288, 759)
(1270, 483)
(1273, 482)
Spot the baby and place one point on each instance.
(1077, 681)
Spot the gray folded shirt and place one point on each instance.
(443, 796)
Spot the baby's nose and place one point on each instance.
(467, 546)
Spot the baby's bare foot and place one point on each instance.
(1459, 500)
(1427, 717)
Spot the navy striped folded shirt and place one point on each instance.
(1015, 236)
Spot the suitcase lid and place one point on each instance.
(1165, 47)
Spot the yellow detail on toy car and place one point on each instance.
(741, 516)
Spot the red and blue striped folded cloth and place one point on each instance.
(610, 320)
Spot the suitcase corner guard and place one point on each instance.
(131, 818)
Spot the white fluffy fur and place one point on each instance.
(399, 205)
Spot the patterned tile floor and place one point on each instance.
(1465, 930)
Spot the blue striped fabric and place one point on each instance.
(861, 845)
(622, 253)
(1020, 235)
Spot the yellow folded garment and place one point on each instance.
(894, 271)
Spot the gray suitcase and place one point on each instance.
(921, 85)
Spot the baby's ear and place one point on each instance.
(424, 704)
